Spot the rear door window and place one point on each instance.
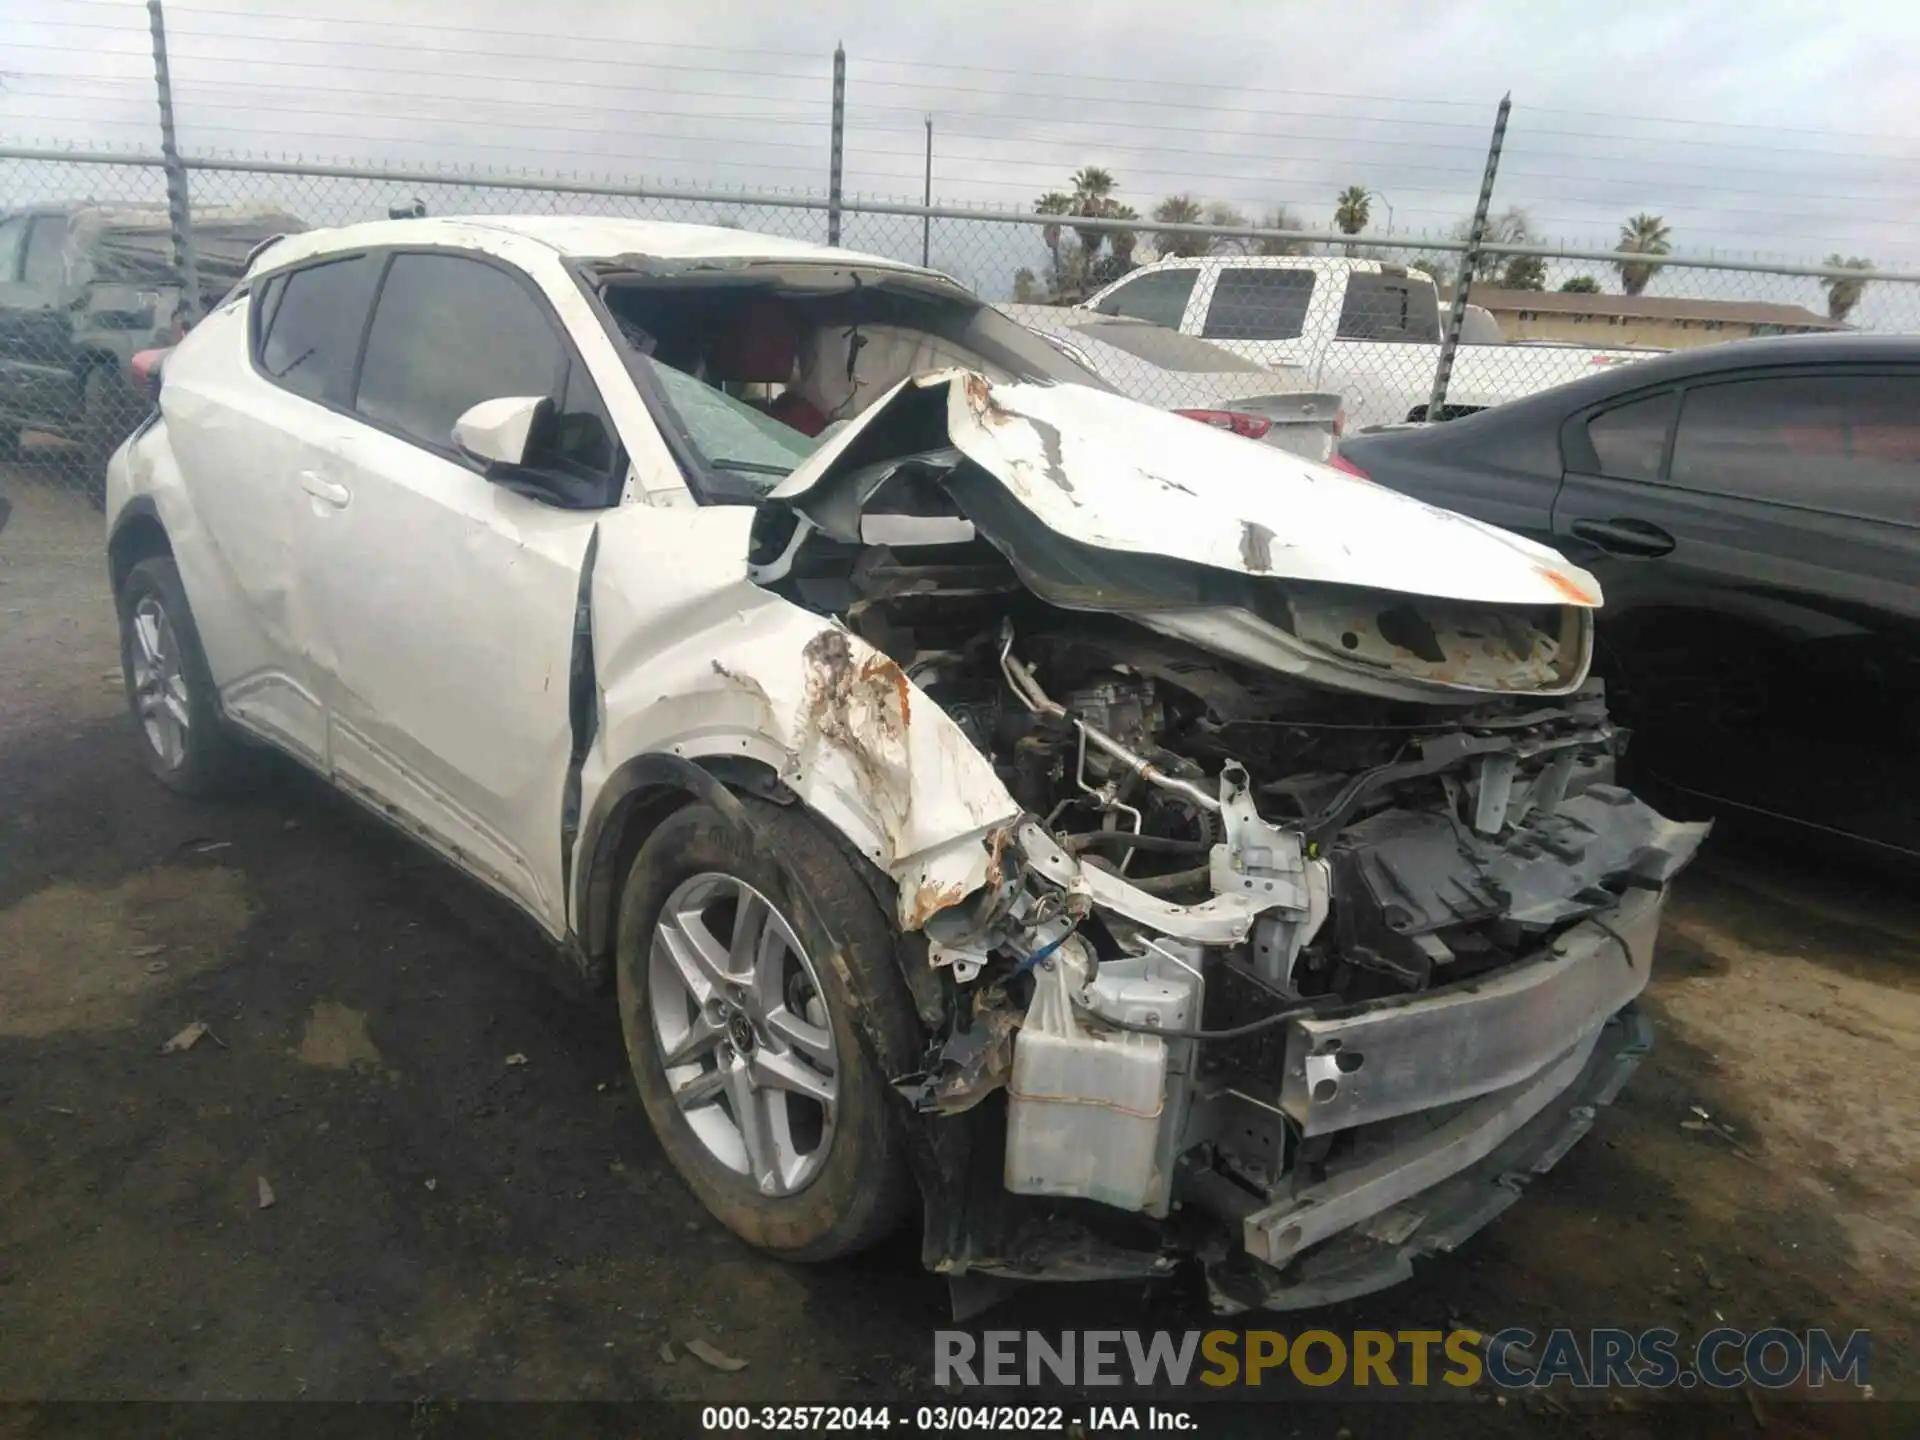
(1159, 297)
(1848, 443)
(1259, 304)
(1389, 307)
(309, 340)
(1629, 441)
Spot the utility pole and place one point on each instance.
(179, 211)
(1443, 372)
(839, 143)
(926, 221)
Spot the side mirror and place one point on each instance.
(503, 431)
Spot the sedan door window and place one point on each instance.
(1848, 443)
(1629, 441)
(309, 325)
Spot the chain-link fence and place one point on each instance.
(1260, 327)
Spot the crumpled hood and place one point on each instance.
(1119, 475)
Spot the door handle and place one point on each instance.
(331, 492)
(1624, 536)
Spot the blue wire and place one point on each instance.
(1043, 952)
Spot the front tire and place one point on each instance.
(755, 970)
(183, 740)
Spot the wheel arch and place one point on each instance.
(631, 803)
(138, 534)
(645, 790)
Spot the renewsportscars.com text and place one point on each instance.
(1513, 1358)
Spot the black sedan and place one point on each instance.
(1752, 511)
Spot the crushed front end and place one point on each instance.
(1322, 919)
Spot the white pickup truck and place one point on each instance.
(1366, 329)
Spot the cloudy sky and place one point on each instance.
(1752, 126)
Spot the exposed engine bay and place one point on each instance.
(1322, 899)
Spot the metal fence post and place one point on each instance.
(926, 221)
(1443, 372)
(179, 211)
(839, 140)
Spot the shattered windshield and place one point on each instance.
(728, 434)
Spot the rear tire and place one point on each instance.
(183, 740)
(718, 1024)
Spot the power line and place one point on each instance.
(702, 117)
(192, 87)
(1130, 80)
(603, 42)
(1622, 182)
(1023, 94)
(1098, 144)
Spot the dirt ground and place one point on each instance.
(449, 1221)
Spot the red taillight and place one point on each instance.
(1252, 427)
(1340, 462)
(146, 367)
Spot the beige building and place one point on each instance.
(1665, 322)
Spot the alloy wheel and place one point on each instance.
(159, 682)
(743, 1032)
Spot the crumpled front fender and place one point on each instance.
(692, 659)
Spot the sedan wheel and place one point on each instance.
(764, 1013)
(743, 1034)
(181, 735)
(159, 683)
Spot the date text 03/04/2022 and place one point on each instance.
(935, 1419)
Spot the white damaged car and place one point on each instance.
(981, 793)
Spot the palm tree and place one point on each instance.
(1092, 197)
(1352, 210)
(1843, 295)
(1643, 234)
(1053, 203)
(1178, 210)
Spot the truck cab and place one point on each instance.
(1365, 328)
